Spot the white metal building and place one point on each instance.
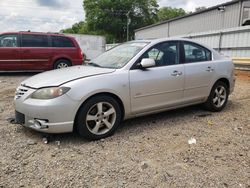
(91, 45)
(225, 27)
(235, 13)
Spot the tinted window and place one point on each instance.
(196, 53)
(58, 41)
(8, 41)
(35, 41)
(164, 54)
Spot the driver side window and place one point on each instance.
(164, 54)
(8, 41)
(155, 54)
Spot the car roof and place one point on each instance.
(35, 33)
(157, 40)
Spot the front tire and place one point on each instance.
(218, 97)
(98, 117)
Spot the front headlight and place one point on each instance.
(49, 93)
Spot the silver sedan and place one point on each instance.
(133, 79)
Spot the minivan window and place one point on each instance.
(59, 41)
(8, 41)
(35, 41)
(195, 53)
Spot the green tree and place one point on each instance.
(166, 13)
(110, 17)
(80, 27)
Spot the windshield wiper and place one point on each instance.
(93, 64)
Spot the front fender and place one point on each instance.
(116, 83)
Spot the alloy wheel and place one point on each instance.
(62, 65)
(220, 96)
(101, 118)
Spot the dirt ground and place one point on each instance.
(151, 151)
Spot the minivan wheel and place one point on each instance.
(98, 118)
(218, 97)
(61, 63)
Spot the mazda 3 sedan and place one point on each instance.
(133, 79)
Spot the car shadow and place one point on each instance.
(195, 111)
(132, 127)
(17, 74)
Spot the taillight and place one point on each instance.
(80, 54)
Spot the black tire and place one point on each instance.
(62, 63)
(88, 128)
(213, 102)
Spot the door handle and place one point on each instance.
(209, 69)
(179, 73)
(176, 73)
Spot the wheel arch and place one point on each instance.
(224, 80)
(114, 96)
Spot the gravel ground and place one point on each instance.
(151, 151)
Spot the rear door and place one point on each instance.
(35, 52)
(9, 52)
(199, 71)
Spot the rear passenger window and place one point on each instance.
(35, 41)
(58, 41)
(195, 53)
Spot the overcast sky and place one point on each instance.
(54, 15)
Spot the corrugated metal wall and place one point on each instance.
(204, 21)
(209, 27)
(158, 31)
(234, 42)
(207, 21)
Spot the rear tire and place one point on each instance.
(98, 117)
(62, 63)
(218, 97)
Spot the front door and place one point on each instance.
(161, 86)
(9, 52)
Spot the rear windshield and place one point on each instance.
(59, 41)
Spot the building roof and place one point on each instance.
(191, 14)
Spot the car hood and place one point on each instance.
(61, 76)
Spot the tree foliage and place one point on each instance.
(110, 18)
(80, 27)
(167, 13)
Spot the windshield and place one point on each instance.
(119, 56)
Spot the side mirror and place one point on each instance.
(147, 63)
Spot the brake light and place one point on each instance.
(80, 54)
